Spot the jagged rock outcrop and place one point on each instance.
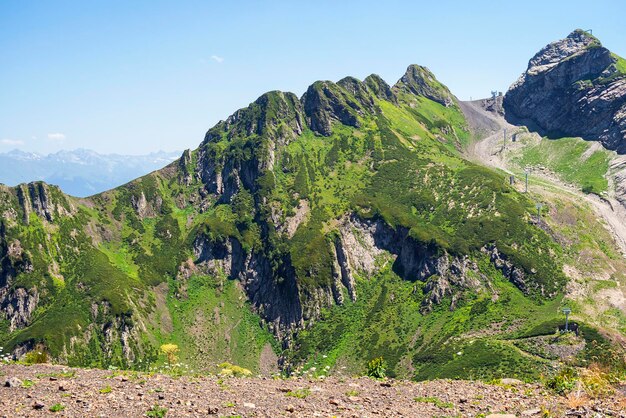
(145, 208)
(275, 118)
(360, 92)
(325, 102)
(16, 304)
(572, 87)
(362, 241)
(33, 197)
(380, 88)
(273, 295)
(420, 81)
(185, 166)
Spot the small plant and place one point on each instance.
(229, 404)
(596, 381)
(563, 381)
(156, 411)
(575, 400)
(36, 356)
(377, 368)
(352, 393)
(106, 389)
(299, 393)
(57, 407)
(435, 401)
(64, 374)
(229, 369)
(170, 351)
(27, 383)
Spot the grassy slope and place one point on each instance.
(213, 323)
(385, 320)
(566, 157)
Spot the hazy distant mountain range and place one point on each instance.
(79, 172)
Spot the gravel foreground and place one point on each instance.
(39, 390)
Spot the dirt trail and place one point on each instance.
(489, 151)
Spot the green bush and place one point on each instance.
(377, 368)
(563, 381)
(36, 356)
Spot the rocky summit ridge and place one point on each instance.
(573, 87)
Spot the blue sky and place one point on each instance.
(137, 76)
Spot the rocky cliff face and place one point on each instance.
(573, 87)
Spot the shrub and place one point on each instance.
(36, 356)
(170, 351)
(229, 369)
(563, 381)
(377, 368)
(596, 381)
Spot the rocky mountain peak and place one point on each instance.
(420, 81)
(573, 87)
(325, 102)
(380, 88)
(578, 42)
(262, 117)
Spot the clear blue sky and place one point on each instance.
(139, 76)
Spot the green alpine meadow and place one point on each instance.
(360, 229)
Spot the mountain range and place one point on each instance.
(362, 220)
(79, 172)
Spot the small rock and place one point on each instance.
(354, 398)
(386, 384)
(284, 390)
(512, 382)
(531, 412)
(290, 408)
(38, 405)
(62, 388)
(249, 405)
(13, 382)
(161, 396)
(333, 401)
(500, 416)
(212, 411)
(53, 379)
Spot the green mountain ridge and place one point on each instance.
(315, 232)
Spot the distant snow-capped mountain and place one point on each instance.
(79, 172)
